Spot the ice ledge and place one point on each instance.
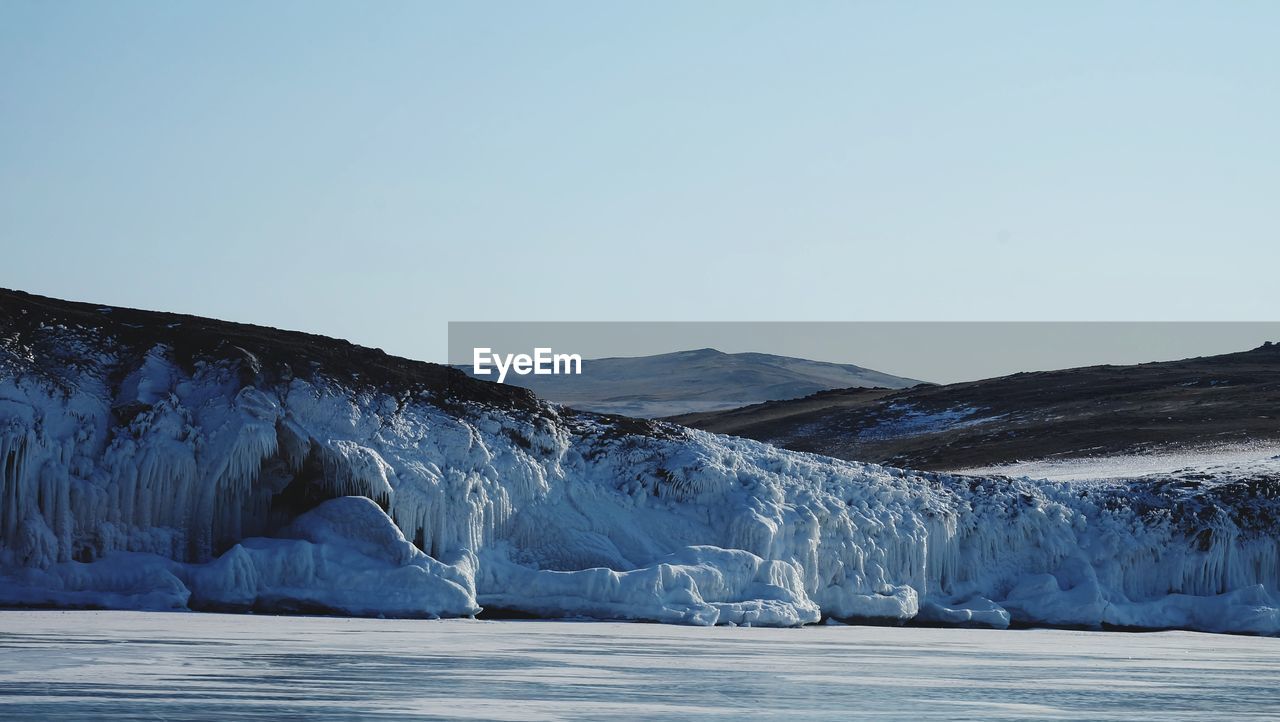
(344, 557)
(700, 585)
(347, 557)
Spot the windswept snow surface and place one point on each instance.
(224, 484)
(1226, 461)
(138, 665)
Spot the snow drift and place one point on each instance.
(161, 461)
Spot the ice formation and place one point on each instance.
(156, 461)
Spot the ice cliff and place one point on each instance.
(152, 460)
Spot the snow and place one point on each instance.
(191, 488)
(1230, 460)
(128, 665)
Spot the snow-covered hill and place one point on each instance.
(161, 461)
(1190, 407)
(696, 381)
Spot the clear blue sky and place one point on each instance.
(373, 170)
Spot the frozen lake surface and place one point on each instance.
(119, 665)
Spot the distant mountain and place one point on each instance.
(1073, 413)
(695, 381)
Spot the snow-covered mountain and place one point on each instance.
(152, 460)
(685, 382)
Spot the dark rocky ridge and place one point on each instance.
(265, 355)
(1097, 410)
